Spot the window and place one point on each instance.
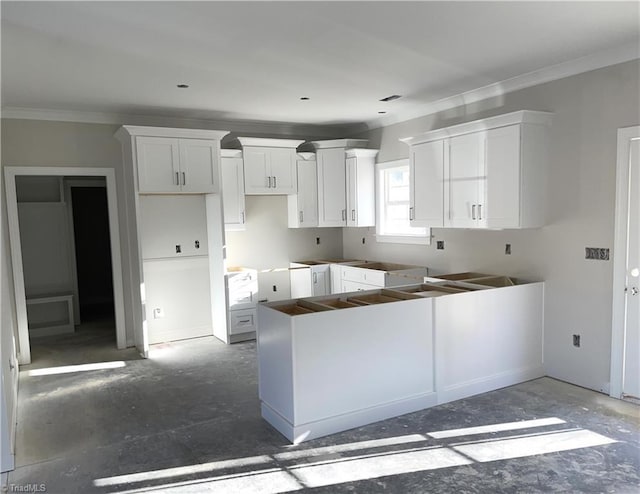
(393, 206)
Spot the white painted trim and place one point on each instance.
(340, 143)
(361, 153)
(271, 143)
(307, 156)
(111, 118)
(24, 349)
(231, 153)
(625, 136)
(598, 60)
(516, 117)
(134, 130)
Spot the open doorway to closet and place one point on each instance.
(65, 247)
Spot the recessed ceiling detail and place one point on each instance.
(244, 60)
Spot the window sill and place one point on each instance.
(404, 239)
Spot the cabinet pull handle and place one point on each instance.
(242, 215)
(269, 182)
(177, 178)
(479, 211)
(315, 278)
(344, 215)
(184, 178)
(301, 217)
(473, 212)
(353, 215)
(275, 183)
(244, 321)
(410, 214)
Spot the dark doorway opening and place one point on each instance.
(93, 253)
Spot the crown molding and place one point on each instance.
(340, 143)
(235, 126)
(269, 143)
(598, 60)
(134, 130)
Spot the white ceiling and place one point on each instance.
(254, 60)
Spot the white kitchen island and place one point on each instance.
(328, 364)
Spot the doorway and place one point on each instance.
(625, 343)
(108, 177)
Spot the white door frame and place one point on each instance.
(625, 136)
(24, 347)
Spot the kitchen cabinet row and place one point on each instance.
(490, 173)
(324, 277)
(332, 363)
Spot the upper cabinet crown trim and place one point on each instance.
(127, 131)
(361, 153)
(307, 156)
(517, 117)
(340, 143)
(231, 153)
(269, 143)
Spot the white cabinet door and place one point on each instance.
(158, 164)
(466, 178)
(198, 166)
(426, 170)
(303, 206)
(331, 187)
(257, 170)
(320, 280)
(283, 170)
(500, 207)
(233, 193)
(300, 280)
(361, 191)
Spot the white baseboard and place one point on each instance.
(304, 432)
(490, 383)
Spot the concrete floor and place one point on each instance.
(187, 420)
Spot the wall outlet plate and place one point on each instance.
(507, 249)
(576, 340)
(596, 253)
(158, 313)
(440, 244)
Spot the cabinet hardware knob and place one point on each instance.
(344, 215)
(473, 212)
(269, 182)
(177, 178)
(275, 183)
(301, 217)
(410, 214)
(242, 216)
(479, 211)
(184, 178)
(353, 215)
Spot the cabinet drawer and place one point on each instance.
(362, 275)
(242, 321)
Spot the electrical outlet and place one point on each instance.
(596, 253)
(317, 240)
(158, 313)
(197, 244)
(363, 240)
(576, 340)
(507, 249)
(440, 244)
(178, 249)
(275, 288)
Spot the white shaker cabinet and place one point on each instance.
(174, 165)
(232, 171)
(269, 165)
(346, 183)
(303, 206)
(494, 173)
(426, 179)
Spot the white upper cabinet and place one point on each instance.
(303, 206)
(170, 161)
(269, 165)
(361, 203)
(494, 173)
(346, 183)
(232, 171)
(426, 179)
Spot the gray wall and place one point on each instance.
(268, 243)
(589, 108)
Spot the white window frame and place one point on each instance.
(421, 239)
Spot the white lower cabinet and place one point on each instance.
(320, 358)
(242, 321)
(308, 280)
(242, 294)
